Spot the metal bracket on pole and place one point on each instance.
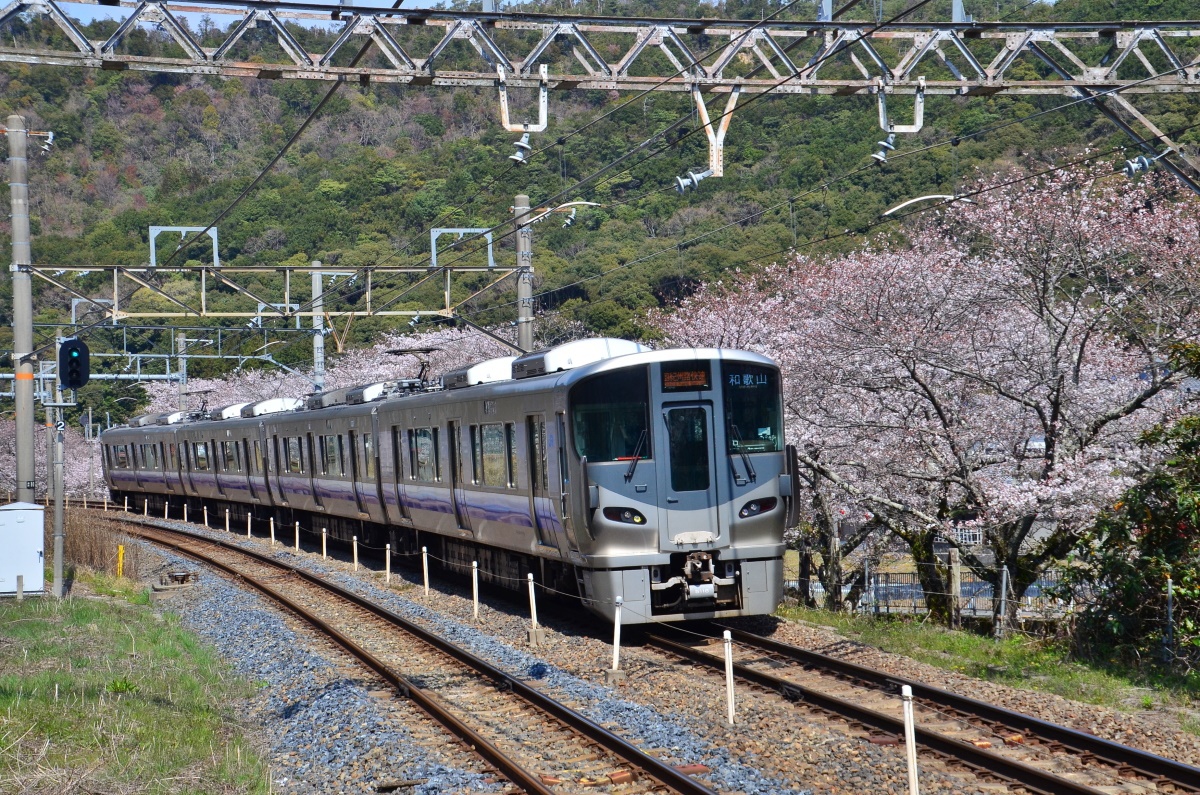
(716, 140)
(183, 230)
(543, 102)
(918, 110)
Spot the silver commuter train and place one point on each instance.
(603, 468)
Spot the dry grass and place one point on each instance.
(91, 543)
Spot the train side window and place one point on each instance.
(173, 456)
(494, 455)
(368, 456)
(424, 453)
(200, 455)
(295, 461)
(122, 455)
(258, 460)
(230, 463)
(332, 455)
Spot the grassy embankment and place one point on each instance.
(1023, 661)
(107, 694)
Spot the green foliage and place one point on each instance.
(384, 163)
(1121, 567)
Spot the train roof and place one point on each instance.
(561, 365)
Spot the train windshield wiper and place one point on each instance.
(737, 435)
(637, 456)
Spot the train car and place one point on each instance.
(603, 468)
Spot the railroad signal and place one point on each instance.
(73, 364)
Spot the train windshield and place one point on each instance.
(610, 416)
(752, 408)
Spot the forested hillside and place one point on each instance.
(381, 164)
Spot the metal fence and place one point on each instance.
(901, 592)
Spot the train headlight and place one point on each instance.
(626, 515)
(755, 507)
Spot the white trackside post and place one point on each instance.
(475, 586)
(910, 740)
(185, 512)
(387, 563)
(729, 674)
(226, 520)
(532, 602)
(425, 568)
(249, 520)
(145, 507)
(617, 635)
(297, 536)
(206, 516)
(354, 543)
(324, 540)
(106, 504)
(272, 531)
(166, 508)
(126, 509)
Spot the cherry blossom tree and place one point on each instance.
(989, 370)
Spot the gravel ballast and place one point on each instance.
(672, 711)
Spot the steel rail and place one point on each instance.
(662, 772)
(1031, 778)
(1143, 762)
(425, 700)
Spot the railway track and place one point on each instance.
(1012, 749)
(540, 745)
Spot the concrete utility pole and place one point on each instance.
(524, 273)
(318, 307)
(60, 488)
(180, 342)
(18, 140)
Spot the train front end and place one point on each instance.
(680, 454)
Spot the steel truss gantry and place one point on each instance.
(1104, 61)
(288, 306)
(716, 55)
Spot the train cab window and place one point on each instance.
(489, 445)
(368, 456)
(423, 454)
(200, 455)
(610, 416)
(295, 457)
(752, 408)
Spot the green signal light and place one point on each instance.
(74, 354)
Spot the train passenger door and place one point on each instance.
(277, 456)
(567, 500)
(539, 480)
(252, 462)
(397, 483)
(356, 468)
(458, 494)
(688, 482)
(313, 471)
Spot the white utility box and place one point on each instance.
(22, 530)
